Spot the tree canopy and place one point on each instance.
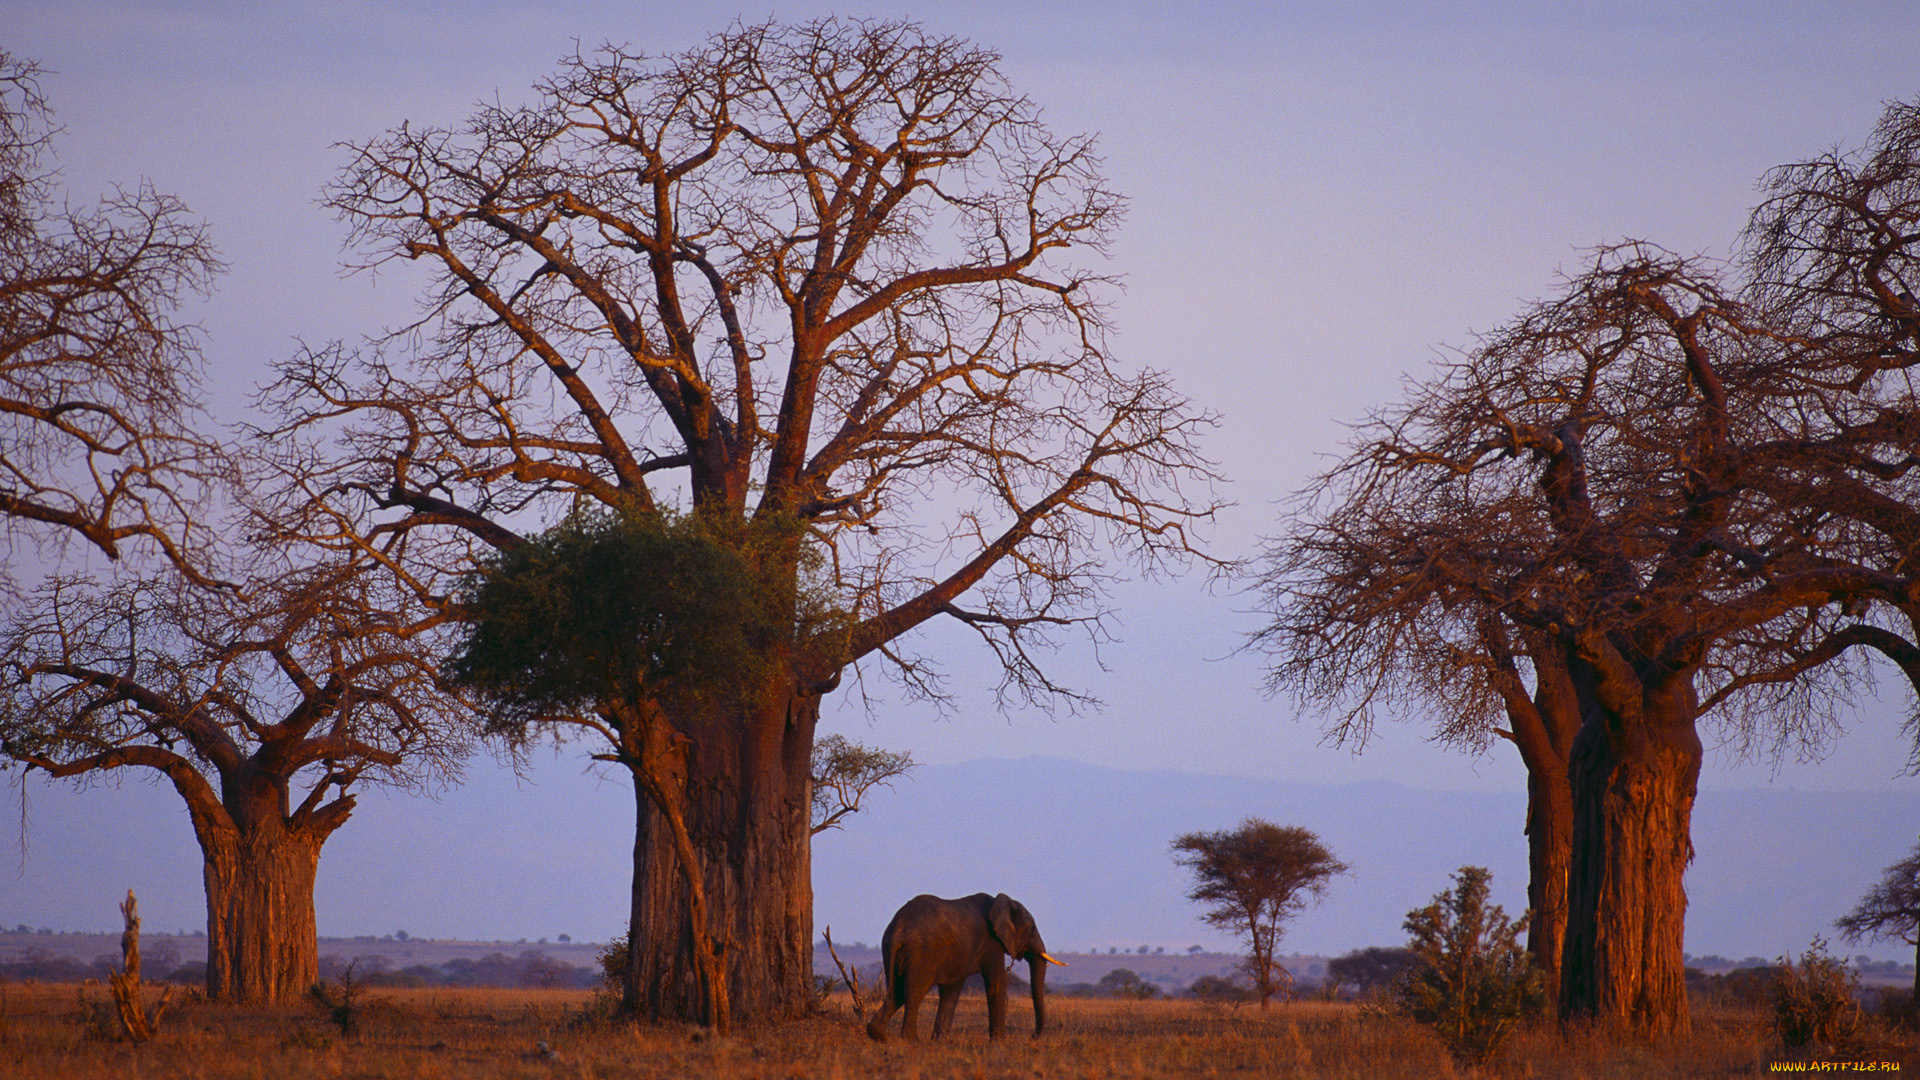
(1890, 910)
(832, 293)
(99, 380)
(1252, 879)
(1680, 490)
(844, 772)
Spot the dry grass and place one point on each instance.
(55, 1031)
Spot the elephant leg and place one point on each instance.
(996, 1002)
(949, 1001)
(910, 1022)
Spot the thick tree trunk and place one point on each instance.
(1633, 780)
(262, 944)
(1542, 726)
(1549, 847)
(748, 798)
(1546, 746)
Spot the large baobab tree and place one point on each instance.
(98, 380)
(1393, 603)
(1582, 482)
(803, 304)
(264, 714)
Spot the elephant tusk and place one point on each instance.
(1051, 960)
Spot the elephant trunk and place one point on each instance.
(1037, 975)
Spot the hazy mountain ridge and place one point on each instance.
(1085, 846)
(1773, 866)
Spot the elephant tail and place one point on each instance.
(896, 981)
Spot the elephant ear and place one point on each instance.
(1000, 920)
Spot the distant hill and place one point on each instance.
(1084, 846)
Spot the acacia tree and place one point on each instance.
(844, 771)
(97, 378)
(813, 286)
(1253, 879)
(1890, 911)
(1585, 474)
(308, 683)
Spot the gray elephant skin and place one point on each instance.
(934, 942)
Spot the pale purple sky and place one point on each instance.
(1324, 197)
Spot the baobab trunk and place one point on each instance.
(1544, 727)
(262, 943)
(748, 797)
(1549, 843)
(1633, 774)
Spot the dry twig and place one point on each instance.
(139, 1022)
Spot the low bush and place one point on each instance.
(1896, 1007)
(1816, 1002)
(1219, 990)
(1367, 973)
(1470, 980)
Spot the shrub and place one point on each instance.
(1219, 990)
(1124, 983)
(1746, 987)
(1896, 1008)
(1470, 979)
(341, 1000)
(613, 964)
(1369, 972)
(1814, 1002)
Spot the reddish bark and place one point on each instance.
(299, 684)
(1542, 726)
(747, 803)
(1633, 775)
(262, 941)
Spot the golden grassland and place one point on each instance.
(62, 1031)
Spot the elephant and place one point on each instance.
(935, 942)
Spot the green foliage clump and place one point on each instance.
(614, 957)
(1253, 879)
(1815, 1002)
(1368, 972)
(1216, 989)
(844, 771)
(1470, 979)
(1126, 983)
(681, 607)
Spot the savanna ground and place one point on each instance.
(61, 1030)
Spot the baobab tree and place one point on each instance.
(1584, 476)
(807, 294)
(264, 713)
(98, 379)
(1394, 604)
